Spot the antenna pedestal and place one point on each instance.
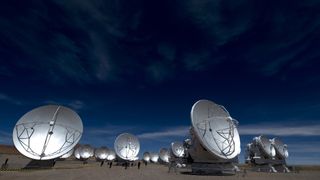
(214, 168)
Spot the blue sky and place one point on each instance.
(139, 66)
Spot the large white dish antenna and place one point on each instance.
(154, 157)
(266, 145)
(281, 149)
(86, 151)
(101, 153)
(67, 155)
(164, 155)
(127, 146)
(215, 129)
(146, 157)
(177, 149)
(47, 132)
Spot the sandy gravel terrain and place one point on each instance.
(71, 169)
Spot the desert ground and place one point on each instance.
(73, 169)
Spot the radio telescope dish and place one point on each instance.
(146, 157)
(47, 132)
(282, 149)
(164, 155)
(177, 149)
(266, 145)
(111, 155)
(154, 157)
(101, 153)
(86, 152)
(77, 152)
(215, 129)
(127, 146)
(67, 155)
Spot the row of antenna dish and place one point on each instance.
(269, 148)
(53, 131)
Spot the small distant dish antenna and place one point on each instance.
(154, 157)
(281, 149)
(111, 155)
(146, 157)
(164, 155)
(101, 153)
(47, 132)
(77, 152)
(266, 145)
(127, 146)
(177, 149)
(67, 155)
(86, 151)
(215, 129)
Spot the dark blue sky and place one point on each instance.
(138, 66)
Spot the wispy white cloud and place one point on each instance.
(280, 130)
(105, 135)
(74, 104)
(179, 131)
(11, 100)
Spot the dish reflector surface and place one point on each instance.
(101, 153)
(77, 152)
(127, 146)
(177, 149)
(281, 148)
(215, 129)
(146, 156)
(68, 154)
(111, 155)
(86, 151)
(154, 157)
(47, 132)
(266, 145)
(164, 155)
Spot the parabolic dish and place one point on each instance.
(67, 155)
(47, 132)
(215, 129)
(127, 146)
(177, 149)
(164, 155)
(111, 155)
(146, 157)
(101, 153)
(154, 157)
(77, 152)
(266, 146)
(281, 148)
(86, 151)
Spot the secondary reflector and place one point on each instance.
(47, 132)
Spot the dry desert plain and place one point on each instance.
(73, 169)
